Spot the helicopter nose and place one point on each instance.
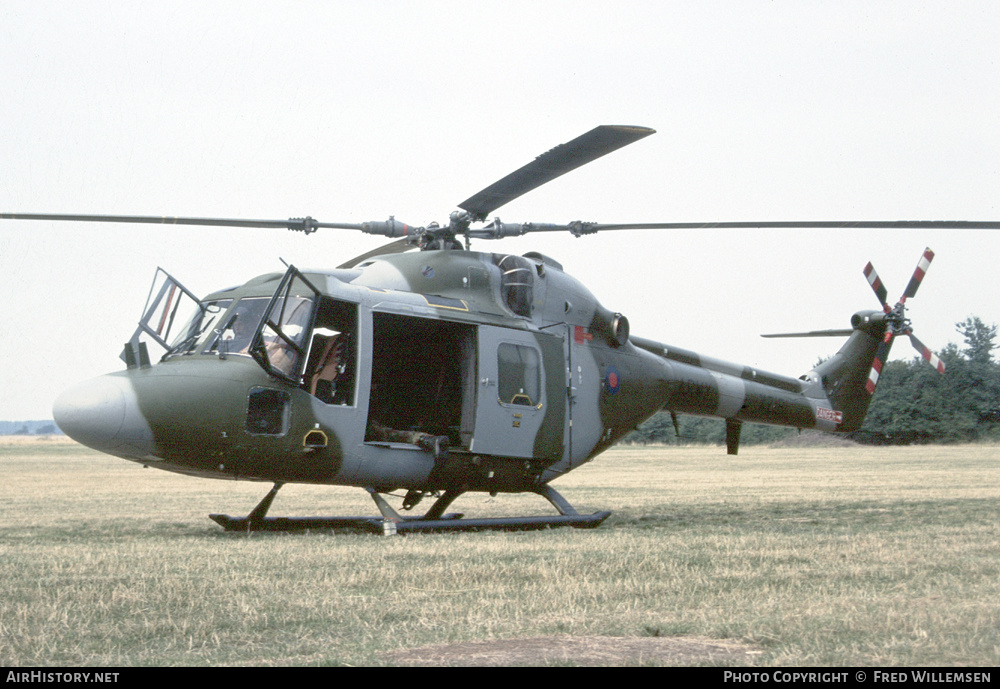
(103, 413)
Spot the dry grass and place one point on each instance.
(823, 556)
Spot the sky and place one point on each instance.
(355, 111)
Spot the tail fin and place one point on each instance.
(847, 375)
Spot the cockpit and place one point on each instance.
(296, 334)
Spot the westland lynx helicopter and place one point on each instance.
(440, 371)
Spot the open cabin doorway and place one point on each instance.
(423, 378)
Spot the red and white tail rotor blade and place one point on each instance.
(881, 354)
(927, 354)
(876, 283)
(918, 274)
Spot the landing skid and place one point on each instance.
(391, 522)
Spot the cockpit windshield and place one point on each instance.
(220, 330)
(236, 332)
(199, 328)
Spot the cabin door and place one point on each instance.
(513, 418)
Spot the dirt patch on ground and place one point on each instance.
(593, 651)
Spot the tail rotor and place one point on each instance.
(896, 321)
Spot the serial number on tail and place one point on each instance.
(825, 414)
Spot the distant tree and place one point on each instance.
(695, 429)
(657, 429)
(914, 404)
(981, 375)
(979, 338)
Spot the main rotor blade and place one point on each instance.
(146, 219)
(306, 224)
(499, 230)
(397, 247)
(546, 167)
(587, 228)
(814, 333)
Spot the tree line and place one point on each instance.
(913, 403)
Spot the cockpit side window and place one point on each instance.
(331, 370)
(173, 317)
(280, 341)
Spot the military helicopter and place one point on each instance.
(440, 371)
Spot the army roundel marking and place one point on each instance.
(612, 380)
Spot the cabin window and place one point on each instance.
(519, 371)
(516, 282)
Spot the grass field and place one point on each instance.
(805, 556)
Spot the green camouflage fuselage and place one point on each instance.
(513, 360)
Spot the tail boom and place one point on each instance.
(831, 397)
